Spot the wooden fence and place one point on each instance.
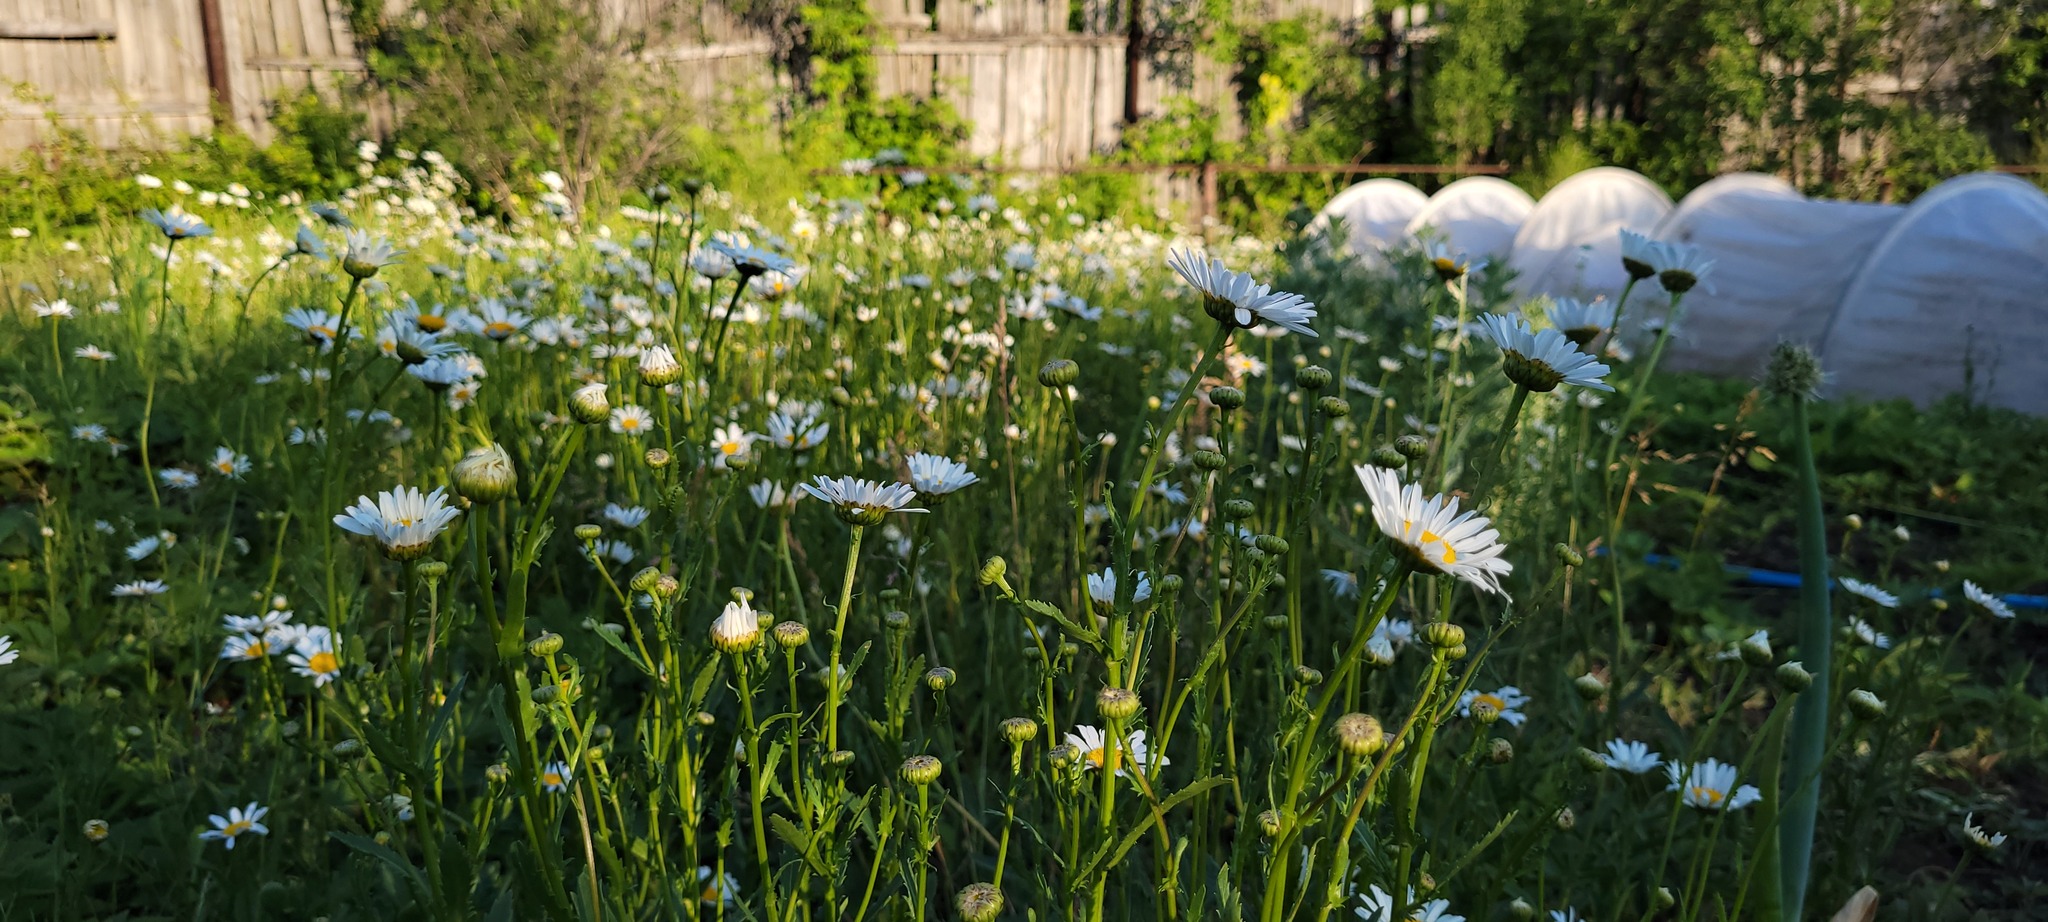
(1036, 91)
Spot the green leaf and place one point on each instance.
(615, 643)
(369, 846)
(1069, 625)
(787, 831)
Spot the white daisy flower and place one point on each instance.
(797, 434)
(1641, 256)
(493, 320)
(1579, 321)
(863, 502)
(1567, 914)
(1991, 603)
(364, 253)
(1540, 360)
(1508, 700)
(140, 589)
(1379, 907)
(59, 309)
(1095, 745)
(1448, 263)
(1710, 785)
(229, 464)
(730, 441)
(718, 889)
(632, 421)
(178, 478)
(1971, 830)
(769, 494)
(143, 547)
(935, 477)
(613, 550)
(320, 327)
(404, 520)
(1343, 584)
(625, 516)
(556, 777)
(92, 353)
(1236, 299)
(1861, 630)
(1434, 535)
(8, 654)
(248, 647)
(176, 224)
(259, 625)
(239, 822)
(1868, 591)
(752, 261)
(1102, 588)
(313, 656)
(1631, 756)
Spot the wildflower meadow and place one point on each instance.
(918, 548)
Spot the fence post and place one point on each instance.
(215, 32)
(1208, 192)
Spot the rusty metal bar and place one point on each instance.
(100, 31)
(1423, 169)
(215, 31)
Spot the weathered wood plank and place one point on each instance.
(59, 31)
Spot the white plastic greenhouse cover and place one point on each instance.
(1376, 213)
(1955, 296)
(1477, 215)
(1570, 245)
(1781, 263)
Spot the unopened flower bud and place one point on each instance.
(1211, 460)
(737, 629)
(1569, 556)
(587, 532)
(96, 831)
(1333, 407)
(1070, 649)
(1116, 704)
(1793, 677)
(1059, 373)
(940, 678)
(896, 620)
(1414, 446)
(706, 719)
(498, 773)
(1865, 705)
(1167, 586)
(1238, 509)
(980, 903)
(1455, 653)
(1269, 823)
(546, 694)
(548, 643)
(1485, 712)
(1665, 899)
(660, 193)
(1312, 378)
(1063, 756)
(589, 405)
(840, 758)
(1359, 735)
(1020, 730)
(1756, 650)
(1271, 544)
(1275, 622)
(1520, 910)
(658, 458)
(1444, 635)
(1566, 819)
(790, 635)
(1226, 397)
(992, 571)
(667, 586)
(1589, 687)
(485, 475)
(659, 368)
(1384, 457)
(1941, 566)
(1592, 762)
(921, 770)
(1499, 751)
(692, 186)
(1792, 371)
(646, 579)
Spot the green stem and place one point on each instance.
(833, 680)
(1816, 641)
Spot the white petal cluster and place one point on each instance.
(1436, 535)
(404, 520)
(1240, 299)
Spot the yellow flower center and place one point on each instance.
(321, 330)
(1450, 554)
(551, 779)
(236, 828)
(1446, 264)
(1494, 700)
(431, 323)
(1097, 757)
(630, 423)
(498, 329)
(1706, 795)
(730, 448)
(322, 663)
(256, 650)
(710, 894)
(225, 467)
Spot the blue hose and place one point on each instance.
(1779, 580)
